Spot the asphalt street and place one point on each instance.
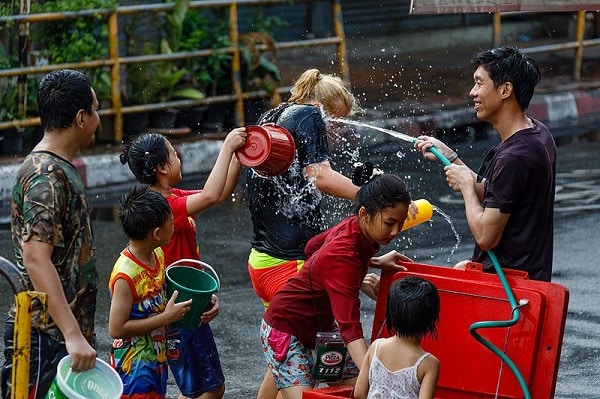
(224, 236)
(575, 258)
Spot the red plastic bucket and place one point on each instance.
(269, 149)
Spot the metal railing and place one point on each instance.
(116, 61)
(577, 45)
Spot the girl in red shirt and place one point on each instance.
(324, 295)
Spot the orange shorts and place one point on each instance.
(270, 276)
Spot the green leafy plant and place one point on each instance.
(259, 54)
(208, 29)
(87, 37)
(9, 90)
(8, 7)
(9, 99)
(259, 63)
(162, 81)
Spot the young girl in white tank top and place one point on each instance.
(397, 367)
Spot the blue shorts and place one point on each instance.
(46, 352)
(290, 361)
(194, 360)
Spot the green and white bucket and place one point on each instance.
(101, 382)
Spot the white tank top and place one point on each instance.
(386, 384)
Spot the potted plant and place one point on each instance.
(12, 140)
(209, 29)
(161, 81)
(88, 41)
(258, 56)
(259, 69)
(259, 72)
(9, 90)
(87, 38)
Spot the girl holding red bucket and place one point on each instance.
(323, 297)
(397, 367)
(193, 357)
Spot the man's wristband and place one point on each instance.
(452, 157)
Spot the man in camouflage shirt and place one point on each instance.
(52, 234)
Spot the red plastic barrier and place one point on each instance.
(343, 391)
(469, 369)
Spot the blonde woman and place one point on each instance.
(285, 210)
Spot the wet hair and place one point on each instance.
(142, 210)
(326, 89)
(61, 94)
(144, 154)
(413, 308)
(507, 64)
(378, 190)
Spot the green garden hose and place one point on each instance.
(499, 323)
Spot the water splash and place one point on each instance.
(409, 139)
(393, 133)
(454, 230)
(296, 201)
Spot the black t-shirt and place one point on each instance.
(520, 181)
(285, 210)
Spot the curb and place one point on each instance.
(106, 169)
(563, 109)
(556, 110)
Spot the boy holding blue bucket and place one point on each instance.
(139, 311)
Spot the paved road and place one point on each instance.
(224, 234)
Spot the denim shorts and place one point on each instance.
(290, 361)
(194, 360)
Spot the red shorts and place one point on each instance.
(268, 280)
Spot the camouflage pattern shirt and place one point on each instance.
(49, 205)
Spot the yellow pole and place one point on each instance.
(22, 342)
(579, 49)
(236, 65)
(497, 28)
(115, 74)
(338, 25)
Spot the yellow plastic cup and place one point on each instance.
(425, 214)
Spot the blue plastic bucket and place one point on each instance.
(101, 382)
(191, 280)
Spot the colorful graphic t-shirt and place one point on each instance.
(142, 361)
(49, 205)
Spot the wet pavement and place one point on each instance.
(224, 236)
(394, 84)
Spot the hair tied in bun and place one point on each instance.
(364, 172)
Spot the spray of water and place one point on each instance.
(393, 133)
(409, 139)
(454, 230)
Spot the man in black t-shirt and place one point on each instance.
(509, 204)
